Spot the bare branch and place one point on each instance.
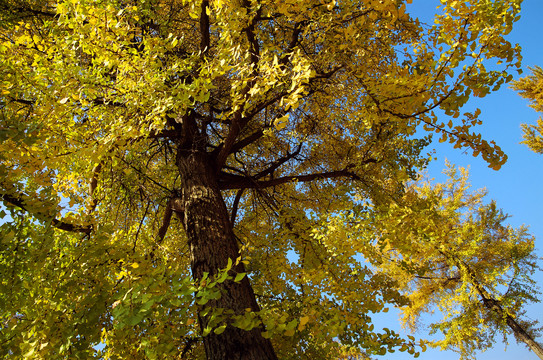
(235, 206)
(277, 163)
(166, 218)
(246, 141)
(204, 27)
(92, 187)
(242, 182)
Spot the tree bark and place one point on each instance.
(525, 337)
(518, 330)
(212, 242)
(493, 305)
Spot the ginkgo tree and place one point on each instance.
(164, 162)
(531, 87)
(451, 253)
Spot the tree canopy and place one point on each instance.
(165, 164)
(451, 253)
(531, 87)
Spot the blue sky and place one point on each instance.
(517, 186)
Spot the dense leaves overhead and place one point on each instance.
(117, 115)
(451, 253)
(531, 87)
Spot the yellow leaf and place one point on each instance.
(281, 122)
(303, 322)
(289, 333)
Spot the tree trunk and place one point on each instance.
(518, 330)
(212, 242)
(525, 337)
(493, 305)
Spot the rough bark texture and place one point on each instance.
(212, 242)
(525, 337)
(517, 329)
(493, 305)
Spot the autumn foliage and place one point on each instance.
(167, 168)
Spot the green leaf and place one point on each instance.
(219, 330)
(239, 277)
(222, 277)
(229, 265)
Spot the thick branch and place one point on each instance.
(298, 27)
(494, 305)
(327, 74)
(92, 187)
(97, 101)
(519, 331)
(246, 141)
(164, 226)
(166, 218)
(204, 27)
(235, 206)
(238, 124)
(250, 33)
(239, 121)
(23, 101)
(277, 163)
(264, 104)
(22, 11)
(59, 224)
(241, 182)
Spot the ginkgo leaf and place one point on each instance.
(239, 277)
(303, 322)
(281, 123)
